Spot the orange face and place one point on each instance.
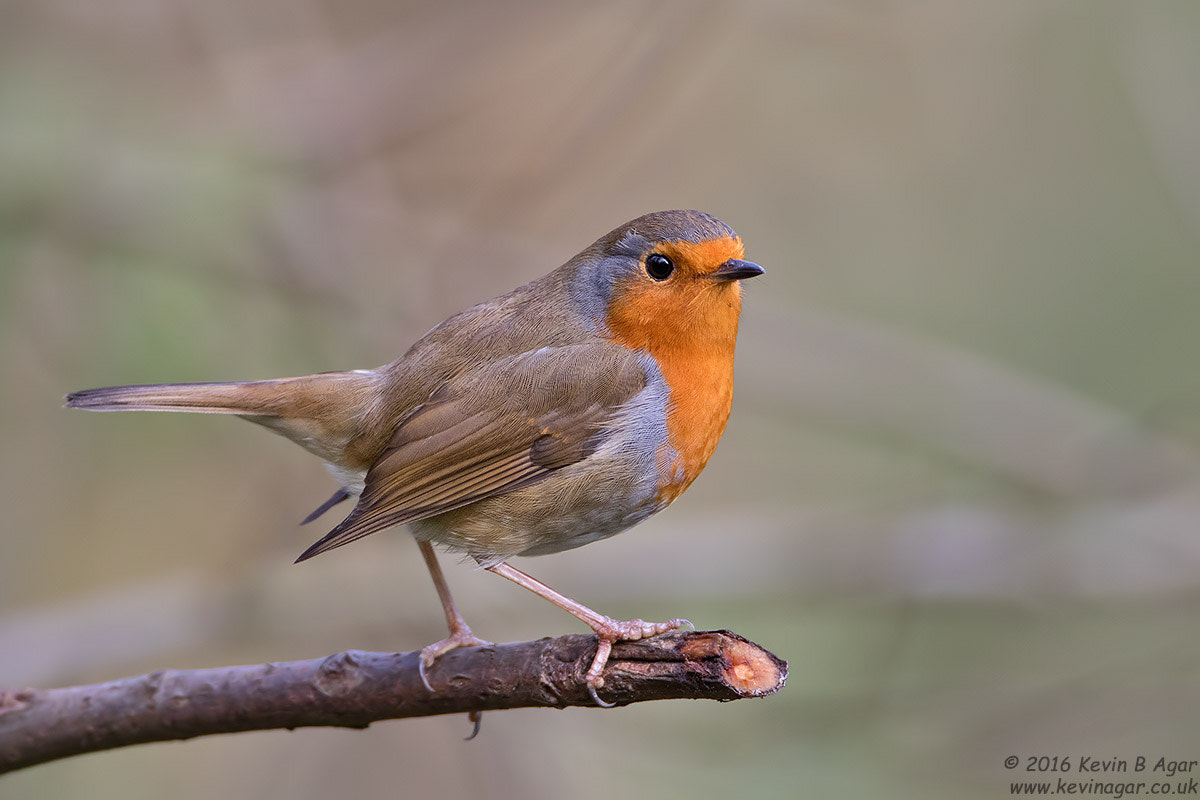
(685, 309)
(703, 257)
(688, 322)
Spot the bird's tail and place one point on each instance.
(251, 399)
(318, 412)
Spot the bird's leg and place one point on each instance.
(608, 629)
(460, 633)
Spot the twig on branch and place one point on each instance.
(354, 688)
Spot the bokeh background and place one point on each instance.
(959, 492)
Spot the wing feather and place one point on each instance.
(492, 431)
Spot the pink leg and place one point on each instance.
(608, 629)
(460, 633)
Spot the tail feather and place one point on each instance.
(196, 398)
(338, 496)
(322, 413)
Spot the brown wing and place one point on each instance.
(495, 430)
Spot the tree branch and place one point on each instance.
(354, 688)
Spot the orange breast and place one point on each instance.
(701, 395)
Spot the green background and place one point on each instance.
(959, 489)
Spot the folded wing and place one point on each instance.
(500, 428)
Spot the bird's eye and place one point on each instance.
(659, 266)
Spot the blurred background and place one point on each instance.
(960, 487)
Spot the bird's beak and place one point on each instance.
(736, 270)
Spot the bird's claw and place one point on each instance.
(596, 698)
(612, 631)
(476, 718)
(431, 653)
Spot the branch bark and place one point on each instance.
(352, 689)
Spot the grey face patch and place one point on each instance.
(592, 286)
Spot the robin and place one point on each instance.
(556, 415)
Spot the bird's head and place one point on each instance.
(663, 280)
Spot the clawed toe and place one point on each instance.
(635, 629)
(596, 698)
(431, 653)
(611, 631)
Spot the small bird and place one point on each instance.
(558, 414)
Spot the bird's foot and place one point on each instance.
(607, 629)
(612, 631)
(460, 637)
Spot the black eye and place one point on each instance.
(659, 266)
